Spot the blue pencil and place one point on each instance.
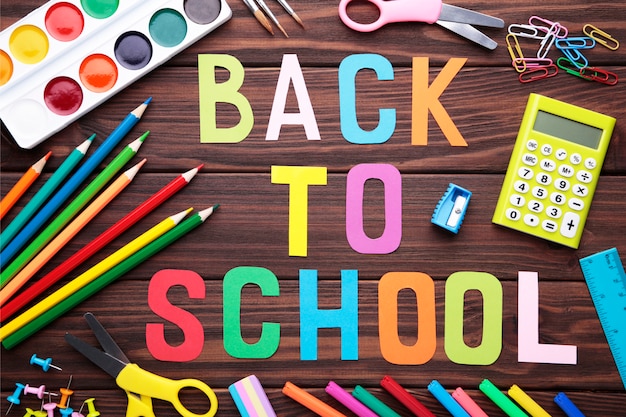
(44, 192)
(72, 184)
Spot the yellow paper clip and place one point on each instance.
(515, 50)
(601, 37)
(599, 75)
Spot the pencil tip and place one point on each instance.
(148, 101)
(47, 155)
(204, 214)
(144, 136)
(92, 137)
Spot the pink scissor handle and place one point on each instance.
(392, 11)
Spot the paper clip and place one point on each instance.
(599, 75)
(581, 42)
(538, 62)
(567, 66)
(575, 57)
(538, 73)
(546, 44)
(515, 51)
(525, 31)
(548, 26)
(601, 36)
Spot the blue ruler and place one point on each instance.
(606, 280)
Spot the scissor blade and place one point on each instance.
(470, 32)
(104, 338)
(457, 14)
(108, 363)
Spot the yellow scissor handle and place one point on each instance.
(139, 406)
(138, 381)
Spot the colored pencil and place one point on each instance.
(91, 274)
(20, 187)
(98, 243)
(69, 232)
(44, 192)
(78, 296)
(72, 184)
(72, 209)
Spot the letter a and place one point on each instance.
(426, 98)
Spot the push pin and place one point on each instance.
(39, 391)
(66, 412)
(15, 397)
(450, 210)
(31, 413)
(92, 408)
(79, 413)
(49, 407)
(45, 364)
(65, 395)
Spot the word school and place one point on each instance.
(346, 318)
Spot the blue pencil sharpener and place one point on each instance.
(450, 210)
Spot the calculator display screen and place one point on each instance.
(567, 129)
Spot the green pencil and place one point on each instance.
(71, 210)
(44, 192)
(108, 277)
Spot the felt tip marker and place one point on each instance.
(440, 393)
(374, 404)
(567, 405)
(527, 402)
(468, 403)
(405, 397)
(309, 401)
(501, 400)
(348, 400)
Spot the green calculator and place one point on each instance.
(554, 170)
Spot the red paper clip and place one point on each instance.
(599, 75)
(538, 73)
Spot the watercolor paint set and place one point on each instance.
(67, 57)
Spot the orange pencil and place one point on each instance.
(22, 185)
(68, 233)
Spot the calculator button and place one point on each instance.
(557, 198)
(526, 173)
(543, 178)
(536, 206)
(554, 212)
(546, 149)
(531, 220)
(561, 154)
(584, 176)
(562, 184)
(580, 190)
(521, 187)
(517, 200)
(549, 226)
(590, 163)
(570, 224)
(575, 159)
(513, 214)
(532, 145)
(540, 192)
(529, 159)
(576, 204)
(566, 171)
(548, 165)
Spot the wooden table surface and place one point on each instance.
(485, 101)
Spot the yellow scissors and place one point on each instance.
(140, 385)
(454, 18)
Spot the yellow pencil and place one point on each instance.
(91, 274)
(22, 185)
(68, 233)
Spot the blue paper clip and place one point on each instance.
(450, 210)
(575, 57)
(579, 42)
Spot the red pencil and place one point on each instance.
(98, 243)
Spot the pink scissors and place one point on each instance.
(456, 19)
